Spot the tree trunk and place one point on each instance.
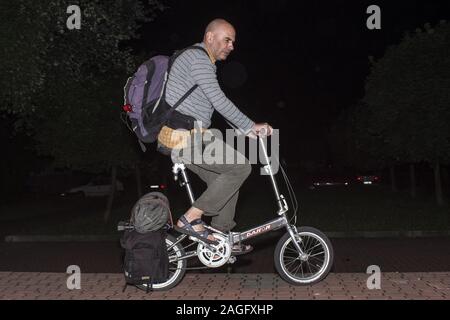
(392, 174)
(111, 194)
(4, 178)
(138, 180)
(445, 180)
(444, 176)
(412, 176)
(438, 184)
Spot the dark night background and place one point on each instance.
(298, 65)
(365, 110)
(364, 120)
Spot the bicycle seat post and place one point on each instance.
(176, 169)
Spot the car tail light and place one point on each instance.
(163, 186)
(359, 178)
(376, 178)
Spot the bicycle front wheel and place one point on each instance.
(310, 267)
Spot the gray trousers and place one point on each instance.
(223, 179)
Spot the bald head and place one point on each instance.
(219, 38)
(217, 24)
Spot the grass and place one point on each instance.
(53, 215)
(361, 208)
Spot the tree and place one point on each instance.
(37, 48)
(407, 101)
(66, 86)
(344, 143)
(369, 142)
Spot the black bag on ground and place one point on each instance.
(146, 260)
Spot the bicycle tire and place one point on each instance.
(316, 269)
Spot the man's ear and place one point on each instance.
(209, 37)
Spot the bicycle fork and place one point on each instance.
(294, 236)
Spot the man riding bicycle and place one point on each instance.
(197, 67)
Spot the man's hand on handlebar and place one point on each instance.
(260, 129)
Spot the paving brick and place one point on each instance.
(228, 286)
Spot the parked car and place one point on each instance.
(368, 179)
(53, 181)
(98, 187)
(329, 180)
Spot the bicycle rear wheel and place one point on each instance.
(309, 268)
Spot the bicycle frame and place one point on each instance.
(237, 237)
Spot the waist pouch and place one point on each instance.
(170, 137)
(178, 120)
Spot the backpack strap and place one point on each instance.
(188, 93)
(169, 67)
(179, 52)
(150, 67)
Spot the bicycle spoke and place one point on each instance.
(310, 250)
(299, 267)
(291, 262)
(308, 239)
(292, 250)
(309, 267)
(316, 254)
(292, 268)
(321, 261)
(314, 244)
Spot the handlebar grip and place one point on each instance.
(262, 132)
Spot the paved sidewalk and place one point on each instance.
(343, 286)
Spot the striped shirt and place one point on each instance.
(195, 67)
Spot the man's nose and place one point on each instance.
(231, 46)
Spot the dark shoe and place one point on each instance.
(188, 229)
(237, 249)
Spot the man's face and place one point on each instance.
(221, 42)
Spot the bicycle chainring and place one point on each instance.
(219, 257)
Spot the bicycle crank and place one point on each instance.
(214, 256)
